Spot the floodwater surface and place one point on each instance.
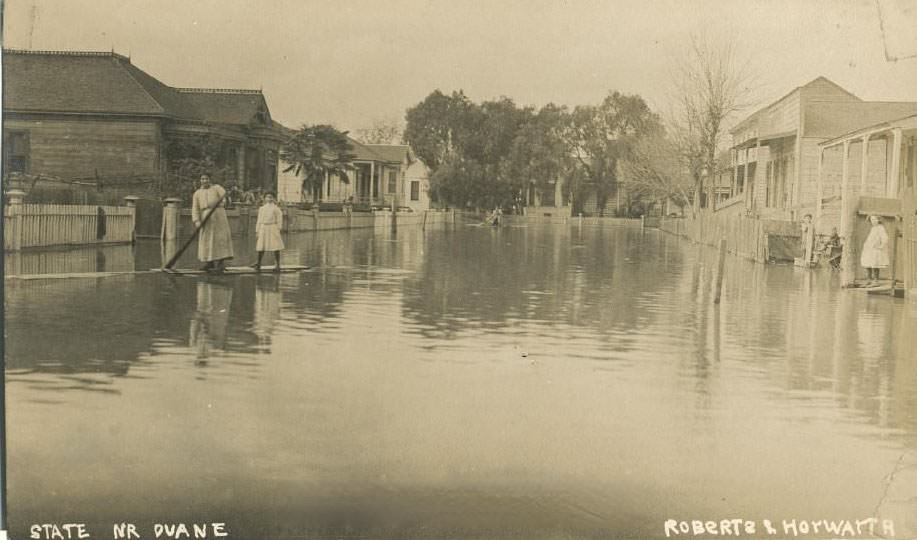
(541, 381)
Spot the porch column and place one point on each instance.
(735, 173)
(864, 165)
(372, 179)
(749, 200)
(894, 172)
(243, 184)
(818, 186)
(848, 260)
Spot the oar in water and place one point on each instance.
(174, 259)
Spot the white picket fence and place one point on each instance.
(39, 225)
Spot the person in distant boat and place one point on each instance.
(875, 250)
(214, 244)
(267, 230)
(494, 218)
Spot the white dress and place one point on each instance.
(215, 240)
(875, 248)
(267, 228)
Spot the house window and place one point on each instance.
(415, 190)
(16, 148)
(392, 182)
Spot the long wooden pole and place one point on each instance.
(197, 231)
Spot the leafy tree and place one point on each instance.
(316, 152)
(599, 135)
(539, 154)
(440, 125)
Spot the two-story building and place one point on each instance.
(775, 152)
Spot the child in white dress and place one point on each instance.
(875, 250)
(267, 230)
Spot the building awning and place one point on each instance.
(775, 136)
(906, 124)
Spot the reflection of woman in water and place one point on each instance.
(875, 250)
(208, 327)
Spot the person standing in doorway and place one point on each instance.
(214, 244)
(808, 239)
(267, 230)
(875, 250)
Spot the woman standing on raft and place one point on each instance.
(875, 250)
(214, 245)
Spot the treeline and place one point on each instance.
(490, 154)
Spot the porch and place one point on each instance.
(878, 177)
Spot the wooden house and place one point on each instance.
(775, 152)
(878, 164)
(95, 115)
(382, 175)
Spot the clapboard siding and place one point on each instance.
(782, 117)
(81, 147)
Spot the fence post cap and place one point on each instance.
(171, 201)
(131, 200)
(15, 195)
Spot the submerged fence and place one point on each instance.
(760, 240)
(41, 225)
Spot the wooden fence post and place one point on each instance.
(394, 217)
(721, 261)
(131, 201)
(14, 211)
(169, 230)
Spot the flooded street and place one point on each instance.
(540, 381)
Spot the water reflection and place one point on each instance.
(208, 327)
(530, 381)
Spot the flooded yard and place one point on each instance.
(541, 381)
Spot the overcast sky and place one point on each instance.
(348, 63)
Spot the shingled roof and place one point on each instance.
(394, 153)
(108, 83)
(73, 82)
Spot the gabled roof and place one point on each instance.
(831, 119)
(394, 153)
(820, 80)
(108, 83)
(224, 106)
(363, 152)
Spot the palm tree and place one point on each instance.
(316, 152)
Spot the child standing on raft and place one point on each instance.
(267, 230)
(875, 250)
